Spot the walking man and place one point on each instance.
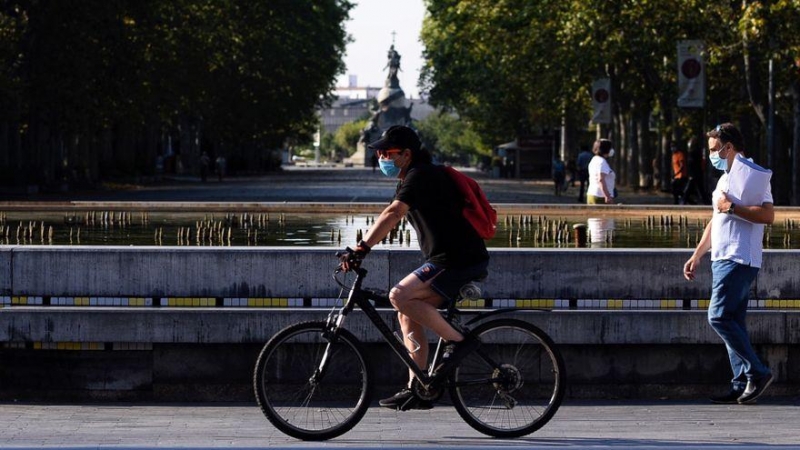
(734, 237)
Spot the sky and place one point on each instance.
(371, 25)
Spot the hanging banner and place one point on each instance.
(601, 100)
(691, 74)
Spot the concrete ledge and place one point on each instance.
(209, 326)
(208, 355)
(165, 353)
(287, 272)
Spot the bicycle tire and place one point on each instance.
(307, 410)
(518, 395)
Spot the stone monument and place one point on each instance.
(392, 110)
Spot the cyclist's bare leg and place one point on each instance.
(417, 303)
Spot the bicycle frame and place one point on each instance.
(485, 386)
(361, 298)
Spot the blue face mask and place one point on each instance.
(717, 162)
(388, 168)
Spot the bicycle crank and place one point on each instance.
(433, 393)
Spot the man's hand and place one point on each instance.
(351, 258)
(723, 203)
(689, 268)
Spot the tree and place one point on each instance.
(513, 67)
(346, 137)
(99, 85)
(451, 138)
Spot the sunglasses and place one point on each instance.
(722, 133)
(388, 153)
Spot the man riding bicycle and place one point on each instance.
(454, 252)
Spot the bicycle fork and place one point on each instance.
(332, 325)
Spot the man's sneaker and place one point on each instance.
(731, 397)
(454, 352)
(405, 400)
(755, 388)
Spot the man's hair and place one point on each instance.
(728, 134)
(602, 147)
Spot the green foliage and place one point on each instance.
(451, 138)
(247, 74)
(346, 137)
(512, 67)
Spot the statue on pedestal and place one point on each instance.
(392, 110)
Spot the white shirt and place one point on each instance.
(733, 238)
(599, 165)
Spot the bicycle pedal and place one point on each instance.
(408, 404)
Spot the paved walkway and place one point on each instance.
(657, 424)
(297, 184)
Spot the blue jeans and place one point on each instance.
(730, 289)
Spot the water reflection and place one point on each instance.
(165, 228)
(601, 232)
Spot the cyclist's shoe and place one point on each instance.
(454, 352)
(405, 400)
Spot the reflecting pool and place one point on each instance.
(336, 229)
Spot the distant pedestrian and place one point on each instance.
(584, 157)
(602, 180)
(680, 175)
(205, 164)
(696, 192)
(374, 161)
(220, 164)
(559, 175)
(734, 236)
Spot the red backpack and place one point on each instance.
(477, 209)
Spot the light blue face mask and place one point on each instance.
(388, 168)
(717, 162)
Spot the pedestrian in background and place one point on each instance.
(220, 164)
(559, 175)
(734, 237)
(680, 175)
(205, 163)
(602, 179)
(584, 158)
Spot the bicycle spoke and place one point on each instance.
(310, 388)
(519, 390)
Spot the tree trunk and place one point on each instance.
(667, 117)
(618, 138)
(632, 152)
(645, 149)
(795, 186)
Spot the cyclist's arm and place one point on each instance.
(390, 216)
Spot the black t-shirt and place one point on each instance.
(435, 211)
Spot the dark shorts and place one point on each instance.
(447, 282)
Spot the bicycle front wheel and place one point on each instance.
(513, 384)
(309, 387)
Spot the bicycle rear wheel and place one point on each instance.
(513, 384)
(298, 398)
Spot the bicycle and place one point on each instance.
(313, 382)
